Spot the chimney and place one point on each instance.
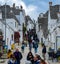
(50, 3)
(41, 15)
(21, 7)
(13, 5)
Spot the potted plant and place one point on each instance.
(58, 59)
(59, 49)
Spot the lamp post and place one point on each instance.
(5, 23)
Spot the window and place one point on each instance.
(12, 36)
(17, 25)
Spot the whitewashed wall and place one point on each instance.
(9, 32)
(54, 30)
(37, 29)
(11, 22)
(30, 25)
(22, 20)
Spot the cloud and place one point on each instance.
(44, 7)
(31, 10)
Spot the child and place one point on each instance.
(22, 47)
(9, 53)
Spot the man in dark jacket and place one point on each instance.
(18, 56)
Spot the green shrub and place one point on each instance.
(58, 58)
(59, 49)
(5, 50)
(42, 43)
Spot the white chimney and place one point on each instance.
(50, 3)
(21, 7)
(41, 15)
(13, 5)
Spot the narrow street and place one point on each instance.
(32, 22)
(23, 61)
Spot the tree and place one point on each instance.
(24, 30)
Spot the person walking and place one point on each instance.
(30, 43)
(35, 45)
(18, 56)
(30, 40)
(9, 53)
(43, 51)
(23, 47)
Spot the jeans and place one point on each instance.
(18, 61)
(30, 46)
(35, 50)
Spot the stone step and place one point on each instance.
(2, 61)
(4, 56)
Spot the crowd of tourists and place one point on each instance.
(35, 59)
(15, 57)
(33, 42)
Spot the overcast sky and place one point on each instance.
(32, 7)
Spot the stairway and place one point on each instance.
(4, 56)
